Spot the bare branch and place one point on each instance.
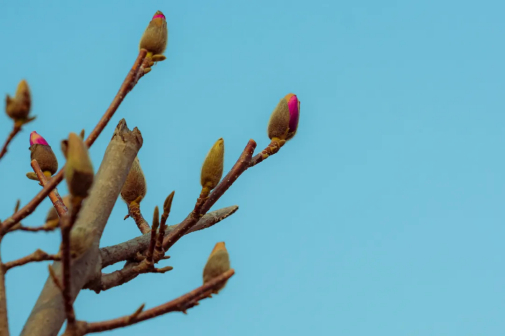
(36, 256)
(181, 304)
(18, 125)
(129, 249)
(67, 223)
(129, 272)
(4, 323)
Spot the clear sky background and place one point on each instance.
(383, 216)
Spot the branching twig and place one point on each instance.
(130, 271)
(181, 304)
(36, 256)
(136, 72)
(129, 249)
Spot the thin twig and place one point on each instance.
(66, 225)
(129, 249)
(134, 212)
(136, 72)
(152, 243)
(15, 130)
(4, 323)
(44, 227)
(54, 196)
(181, 304)
(36, 256)
(130, 271)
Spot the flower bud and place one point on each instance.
(52, 218)
(217, 264)
(42, 152)
(156, 35)
(212, 168)
(284, 119)
(78, 170)
(19, 107)
(135, 186)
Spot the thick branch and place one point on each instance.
(129, 249)
(180, 304)
(136, 72)
(48, 314)
(36, 256)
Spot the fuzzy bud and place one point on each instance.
(217, 264)
(78, 170)
(18, 108)
(155, 36)
(135, 186)
(212, 168)
(52, 218)
(284, 119)
(42, 152)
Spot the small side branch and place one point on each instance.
(180, 304)
(12, 134)
(129, 249)
(36, 256)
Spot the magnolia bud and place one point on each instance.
(284, 119)
(19, 107)
(52, 218)
(217, 264)
(156, 35)
(78, 170)
(135, 187)
(42, 152)
(212, 168)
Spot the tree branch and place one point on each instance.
(129, 249)
(48, 313)
(36, 256)
(4, 323)
(12, 134)
(181, 304)
(136, 72)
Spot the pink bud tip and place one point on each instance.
(159, 16)
(36, 139)
(294, 112)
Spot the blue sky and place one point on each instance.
(383, 216)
